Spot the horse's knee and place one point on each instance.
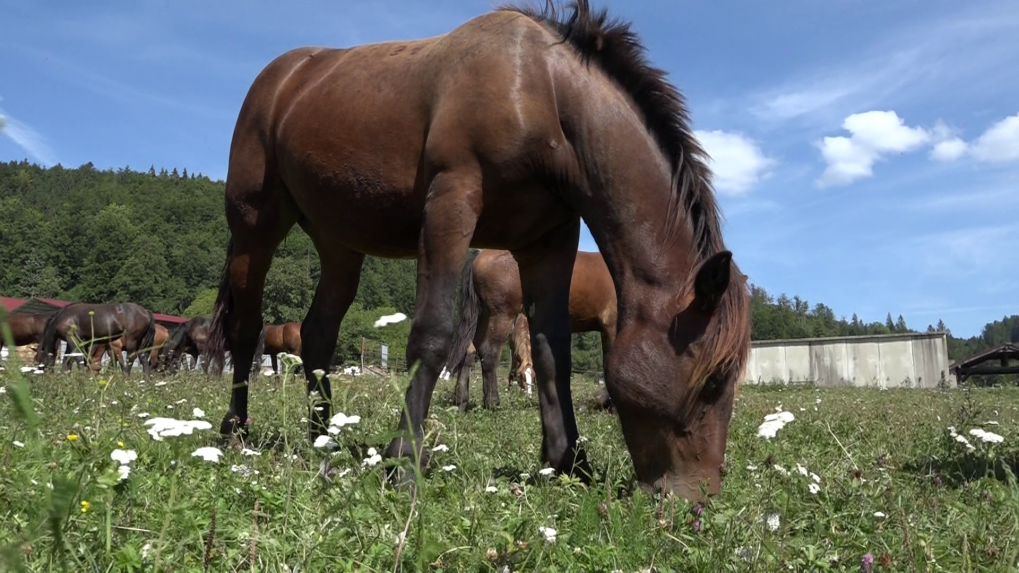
(430, 344)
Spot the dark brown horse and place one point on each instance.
(83, 325)
(492, 298)
(278, 338)
(25, 328)
(503, 133)
(115, 349)
(190, 338)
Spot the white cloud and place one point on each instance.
(27, 138)
(874, 135)
(949, 149)
(999, 143)
(736, 161)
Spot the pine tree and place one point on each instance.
(900, 325)
(889, 324)
(184, 174)
(152, 170)
(942, 327)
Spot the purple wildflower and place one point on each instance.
(867, 564)
(697, 509)
(697, 526)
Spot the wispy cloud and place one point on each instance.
(965, 45)
(959, 253)
(27, 139)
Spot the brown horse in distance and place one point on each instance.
(277, 338)
(503, 134)
(25, 328)
(83, 325)
(493, 298)
(521, 365)
(115, 349)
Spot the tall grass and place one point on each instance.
(892, 481)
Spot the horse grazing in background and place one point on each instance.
(503, 134)
(278, 338)
(521, 365)
(492, 298)
(82, 325)
(190, 338)
(115, 349)
(25, 328)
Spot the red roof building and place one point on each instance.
(44, 305)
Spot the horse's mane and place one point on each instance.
(618, 51)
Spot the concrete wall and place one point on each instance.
(887, 361)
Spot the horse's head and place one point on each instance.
(673, 379)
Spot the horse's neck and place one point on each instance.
(627, 207)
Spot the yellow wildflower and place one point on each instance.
(72, 437)
(120, 444)
(85, 506)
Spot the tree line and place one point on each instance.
(158, 238)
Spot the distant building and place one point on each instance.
(918, 360)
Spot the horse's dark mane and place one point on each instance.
(618, 51)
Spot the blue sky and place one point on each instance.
(866, 152)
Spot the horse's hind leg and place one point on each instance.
(259, 213)
(462, 394)
(337, 286)
(546, 270)
(450, 214)
(498, 330)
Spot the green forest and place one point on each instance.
(158, 238)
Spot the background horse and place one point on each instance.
(492, 298)
(521, 364)
(190, 338)
(278, 338)
(25, 329)
(502, 133)
(115, 350)
(83, 325)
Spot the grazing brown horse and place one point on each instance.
(521, 366)
(25, 328)
(115, 349)
(190, 338)
(278, 338)
(83, 324)
(492, 298)
(502, 133)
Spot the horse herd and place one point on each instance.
(502, 134)
(94, 330)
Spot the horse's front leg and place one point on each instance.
(450, 214)
(546, 270)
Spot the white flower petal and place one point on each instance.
(209, 454)
(124, 457)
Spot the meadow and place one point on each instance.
(859, 479)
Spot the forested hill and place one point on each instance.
(158, 238)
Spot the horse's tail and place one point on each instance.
(48, 345)
(171, 348)
(218, 342)
(470, 309)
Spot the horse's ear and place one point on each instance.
(711, 281)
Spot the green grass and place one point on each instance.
(874, 451)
